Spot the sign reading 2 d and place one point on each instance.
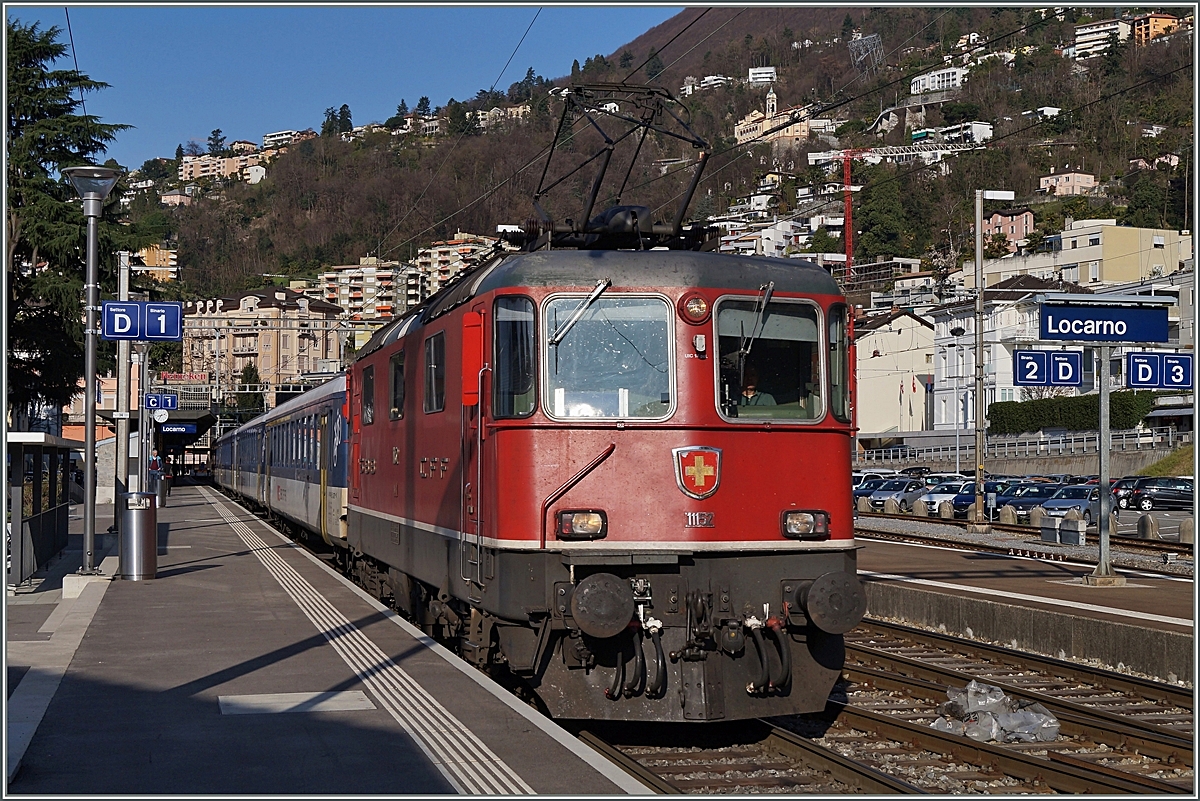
(1104, 323)
(1046, 368)
(1158, 370)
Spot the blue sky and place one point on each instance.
(176, 73)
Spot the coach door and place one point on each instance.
(472, 555)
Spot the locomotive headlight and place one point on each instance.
(693, 308)
(805, 525)
(589, 524)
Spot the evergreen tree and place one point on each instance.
(881, 217)
(423, 107)
(45, 239)
(654, 67)
(248, 400)
(626, 59)
(402, 109)
(330, 126)
(216, 143)
(847, 28)
(458, 121)
(575, 70)
(179, 153)
(345, 123)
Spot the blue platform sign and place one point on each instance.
(170, 401)
(1158, 370)
(141, 321)
(178, 428)
(1089, 323)
(152, 400)
(1031, 368)
(121, 321)
(1047, 368)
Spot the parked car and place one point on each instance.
(1122, 490)
(1026, 496)
(901, 490)
(945, 491)
(915, 472)
(857, 478)
(1162, 493)
(865, 489)
(1084, 499)
(964, 499)
(934, 479)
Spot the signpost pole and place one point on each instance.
(143, 419)
(123, 367)
(1104, 574)
(980, 406)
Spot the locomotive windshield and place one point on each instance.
(780, 376)
(615, 361)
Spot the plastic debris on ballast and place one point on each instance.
(984, 713)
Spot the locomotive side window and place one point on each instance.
(396, 404)
(368, 395)
(515, 349)
(435, 372)
(839, 364)
(770, 360)
(608, 356)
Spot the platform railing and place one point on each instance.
(998, 447)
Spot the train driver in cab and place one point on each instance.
(750, 394)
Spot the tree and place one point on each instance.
(422, 108)
(847, 28)
(179, 154)
(156, 169)
(345, 123)
(575, 70)
(216, 143)
(192, 148)
(654, 67)
(45, 239)
(626, 59)
(458, 121)
(996, 246)
(329, 126)
(398, 121)
(881, 218)
(248, 399)
(823, 242)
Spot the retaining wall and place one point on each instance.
(1150, 651)
(1121, 463)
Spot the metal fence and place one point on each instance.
(1065, 445)
(38, 501)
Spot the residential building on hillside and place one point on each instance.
(757, 75)
(284, 334)
(938, 80)
(1067, 183)
(160, 263)
(175, 197)
(364, 291)
(498, 116)
(195, 167)
(243, 146)
(1015, 224)
(441, 261)
(1093, 253)
(1010, 322)
(894, 372)
(1092, 38)
(1152, 26)
(278, 139)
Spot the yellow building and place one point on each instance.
(757, 124)
(1152, 26)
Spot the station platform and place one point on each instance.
(248, 666)
(1145, 625)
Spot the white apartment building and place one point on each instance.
(278, 139)
(1091, 38)
(895, 372)
(364, 291)
(441, 261)
(1010, 322)
(1095, 253)
(757, 75)
(938, 81)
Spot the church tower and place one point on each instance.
(772, 106)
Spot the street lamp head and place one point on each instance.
(957, 331)
(88, 180)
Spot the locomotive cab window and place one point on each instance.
(435, 372)
(396, 404)
(839, 364)
(769, 364)
(515, 351)
(608, 356)
(368, 395)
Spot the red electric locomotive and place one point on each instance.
(617, 468)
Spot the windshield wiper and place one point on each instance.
(561, 333)
(744, 343)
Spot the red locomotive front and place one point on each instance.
(623, 477)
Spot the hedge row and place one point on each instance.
(1081, 413)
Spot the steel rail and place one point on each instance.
(628, 764)
(1059, 776)
(1119, 682)
(842, 768)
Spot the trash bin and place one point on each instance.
(160, 487)
(138, 550)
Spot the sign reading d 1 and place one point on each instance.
(1094, 323)
(142, 320)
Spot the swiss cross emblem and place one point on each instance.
(697, 470)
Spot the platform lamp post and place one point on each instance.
(93, 185)
(979, 523)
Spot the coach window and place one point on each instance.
(839, 364)
(396, 401)
(515, 349)
(608, 356)
(770, 364)
(368, 395)
(435, 372)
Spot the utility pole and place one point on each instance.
(121, 482)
